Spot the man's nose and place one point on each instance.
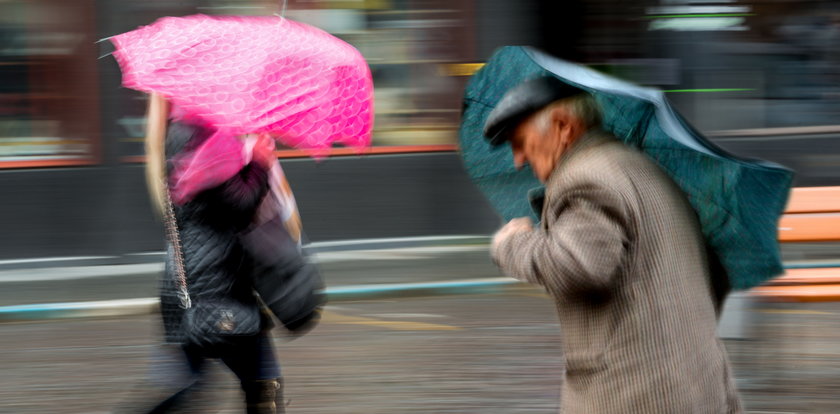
(518, 160)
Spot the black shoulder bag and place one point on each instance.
(208, 323)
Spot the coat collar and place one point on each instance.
(590, 139)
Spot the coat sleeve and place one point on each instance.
(582, 249)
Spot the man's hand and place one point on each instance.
(517, 225)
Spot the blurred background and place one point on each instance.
(760, 78)
(754, 76)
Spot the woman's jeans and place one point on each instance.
(250, 358)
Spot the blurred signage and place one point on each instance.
(341, 4)
(334, 21)
(697, 24)
(684, 16)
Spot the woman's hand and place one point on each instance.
(264, 152)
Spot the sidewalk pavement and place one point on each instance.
(58, 288)
(78, 287)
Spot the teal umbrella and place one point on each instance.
(738, 201)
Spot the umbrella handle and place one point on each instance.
(283, 9)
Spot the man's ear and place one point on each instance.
(568, 126)
(561, 123)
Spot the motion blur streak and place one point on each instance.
(760, 78)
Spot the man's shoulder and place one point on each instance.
(606, 163)
(603, 158)
(610, 149)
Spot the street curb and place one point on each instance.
(310, 248)
(145, 306)
(402, 290)
(78, 310)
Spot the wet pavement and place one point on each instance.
(103, 279)
(493, 353)
(340, 268)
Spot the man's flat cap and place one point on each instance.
(521, 101)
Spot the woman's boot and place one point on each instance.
(264, 397)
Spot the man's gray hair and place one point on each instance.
(583, 106)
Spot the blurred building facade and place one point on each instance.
(775, 61)
(71, 136)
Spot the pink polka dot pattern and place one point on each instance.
(242, 74)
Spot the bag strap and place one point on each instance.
(175, 241)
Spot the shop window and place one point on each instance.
(48, 92)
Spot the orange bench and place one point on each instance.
(812, 215)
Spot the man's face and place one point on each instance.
(535, 147)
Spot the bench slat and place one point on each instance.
(812, 215)
(814, 200)
(811, 276)
(808, 227)
(798, 293)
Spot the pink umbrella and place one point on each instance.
(250, 75)
(254, 74)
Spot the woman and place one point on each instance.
(215, 264)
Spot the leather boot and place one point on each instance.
(264, 397)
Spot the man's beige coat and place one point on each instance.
(621, 253)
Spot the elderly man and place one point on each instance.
(620, 251)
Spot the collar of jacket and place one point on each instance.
(590, 139)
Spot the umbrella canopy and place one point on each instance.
(254, 74)
(738, 201)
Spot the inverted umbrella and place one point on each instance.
(254, 74)
(738, 202)
(242, 75)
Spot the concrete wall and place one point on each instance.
(105, 210)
